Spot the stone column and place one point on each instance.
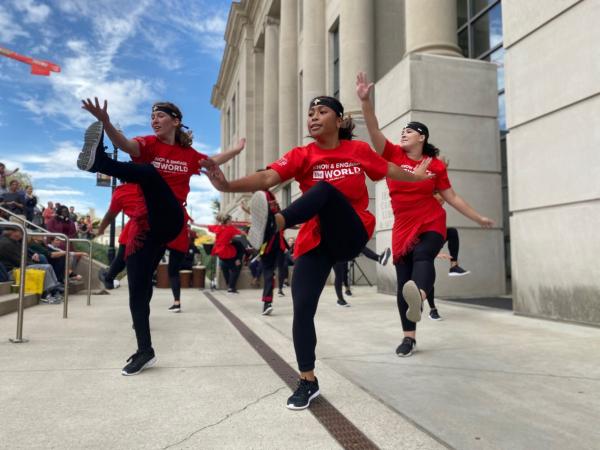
(431, 27)
(313, 52)
(288, 76)
(271, 92)
(357, 30)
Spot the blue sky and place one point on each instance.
(132, 54)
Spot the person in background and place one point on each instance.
(30, 203)
(3, 175)
(48, 213)
(14, 199)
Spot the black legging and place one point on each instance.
(269, 262)
(340, 270)
(117, 265)
(370, 254)
(343, 235)
(165, 219)
(175, 262)
(417, 266)
(231, 271)
(453, 245)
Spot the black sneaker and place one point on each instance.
(304, 394)
(232, 291)
(412, 296)
(434, 315)
(138, 362)
(93, 148)
(267, 308)
(407, 347)
(385, 256)
(343, 302)
(108, 284)
(175, 308)
(349, 292)
(281, 293)
(458, 271)
(262, 221)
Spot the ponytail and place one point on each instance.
(346, 129)
(183, 138)
(430, 150)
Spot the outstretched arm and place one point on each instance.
(225, 156)
(106, 221)
(12, 172)
(363, 90)
(464, 208)
(420, 173)
(116, 137)
(259, 181)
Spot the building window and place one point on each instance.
(479, 31)
(335, 59)
(286, 193)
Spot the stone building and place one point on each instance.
(496, 81)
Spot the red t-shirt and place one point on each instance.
(223, 247)
(128, 198)
(344, 168)
(415, 208)
(124, 236)
(175, 164)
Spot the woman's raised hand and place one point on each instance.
(239, 146)
(363, 87)
(94, 108)
(421, 170)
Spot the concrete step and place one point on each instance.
(9, 302)
(5, 287)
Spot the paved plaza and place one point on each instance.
(481, 379)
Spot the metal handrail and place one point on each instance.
(89, 289)
(67, 248)
(67, 265)
(21, 306)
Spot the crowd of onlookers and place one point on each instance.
(44, 253)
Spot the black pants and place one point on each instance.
(231, 271)
(370, 254)
(453, 246)
(117, 265)
(58, 264)
(417, 266)
(340, 270)
(343, 235)
(175, 262)
(165, 219)
(269, 263)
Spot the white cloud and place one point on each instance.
(34, 12)
(53, 193)
(9, 28)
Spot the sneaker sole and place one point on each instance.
(454, 274)
(412, 296)
(433, 318)
(298, 408)
(259, 212)
(87, 156)
(149, 364)
(386, 257)
(400, 355)
(347, 305)
(267, 312)
(175, 310)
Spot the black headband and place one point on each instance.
(418, 127)
(330, 102)
(167, 110)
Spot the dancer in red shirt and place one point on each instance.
(230, 258)
(163, 165)
(419, 230)
(333, 210)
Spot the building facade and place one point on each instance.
(440, 62)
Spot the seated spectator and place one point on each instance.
(82, 228)
(61, 223)
(48, 213)
(10, 258)
(54, 256)
(14, 200)
(30, 203)
(3, 175)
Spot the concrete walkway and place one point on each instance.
(481, 378)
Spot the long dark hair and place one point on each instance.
(182, 138)
(429, 149)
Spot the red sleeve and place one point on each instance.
(290, 164)
(195, 161)
(374, 165)
(442, 182)
(390, 150)
(146, 149)
(116, 205)
(214, 228)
